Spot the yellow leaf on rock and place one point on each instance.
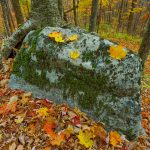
(117, 52)
(43, 111)
(72, 38)
(59, 39)
(74, 54)
(85, 138)
(56, 36)
(115, 138)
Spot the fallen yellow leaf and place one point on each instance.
(72, 38)
(74, 54)
(117, 52)
(43, 111)
(59, 39)
(56, 36)
(85, 138)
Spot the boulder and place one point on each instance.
(105, 88)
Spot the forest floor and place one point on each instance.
(36, 124)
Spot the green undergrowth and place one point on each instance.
(107, 31)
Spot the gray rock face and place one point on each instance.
(106, 89)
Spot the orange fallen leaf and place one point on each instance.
(115, 138)
(47, 148)
(100, 132)
(57, 139)
(3, 108)
(10, 107)
(48, 128)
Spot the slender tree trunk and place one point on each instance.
(75, 13)
(99, 16)
(94, 13)
(10, 17)
(5, 17)
(18, 13)
(110, 14)
(27, 6)
(120, 16)
(43, 13)
(131, 17)
(61, 8)
(145, 45)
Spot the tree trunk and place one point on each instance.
(43, 13)
(46, 13)
(18, 13)
(10, 17)
(75, 12)
(94, 13)
(27, 6)
(5, 17)
(120, 16)
(131, 17)
(145, 45)
(99, 16)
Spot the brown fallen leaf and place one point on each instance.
(12, 146)
(20, 147)
(22, 139)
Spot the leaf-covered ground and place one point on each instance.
(36, 124)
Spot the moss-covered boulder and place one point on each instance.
(105, 88)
